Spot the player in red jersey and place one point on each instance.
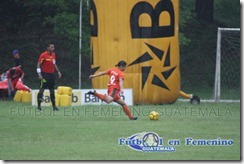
(13, 76)
(45, 68)
(115, 86)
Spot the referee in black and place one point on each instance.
(46, 67)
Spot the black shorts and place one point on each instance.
(48, 81)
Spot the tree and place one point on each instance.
(204, 9)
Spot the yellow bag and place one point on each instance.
(18, 96)
(62, 90)
(26, 96)
(65, 100)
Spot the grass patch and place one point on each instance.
(92, 132)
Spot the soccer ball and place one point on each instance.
(153, 116)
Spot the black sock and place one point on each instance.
(39, 99)
(52, 97)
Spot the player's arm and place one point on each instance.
(38, 70)
(98, 74)
(22, 75)
(59, 73)
(20, 72)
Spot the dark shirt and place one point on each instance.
(18, 62)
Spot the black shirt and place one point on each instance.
(18, 62)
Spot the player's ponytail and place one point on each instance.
(121, 63)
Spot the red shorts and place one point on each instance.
(114, 92)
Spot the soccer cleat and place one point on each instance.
(39, 108)
(134, 118)
(55, 108)
(91, 93)
(195, 100)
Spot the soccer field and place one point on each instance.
(93, 132)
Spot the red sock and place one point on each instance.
(100, 96)
(127, 111)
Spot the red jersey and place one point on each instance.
(47, 61)
(115, 74)
(18, 73)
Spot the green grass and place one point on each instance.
(92, 132)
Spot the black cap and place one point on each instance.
(121, 63)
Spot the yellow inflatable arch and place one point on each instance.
(144, 33)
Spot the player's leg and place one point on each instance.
(111, 94)
(51, 85)
(95, 93)
(126, 109)
(121, 102)
(187, 96)
(194, 99)
(107, 98)
(14, 83)
(52, 97)
(43, 85)
(39, 98)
